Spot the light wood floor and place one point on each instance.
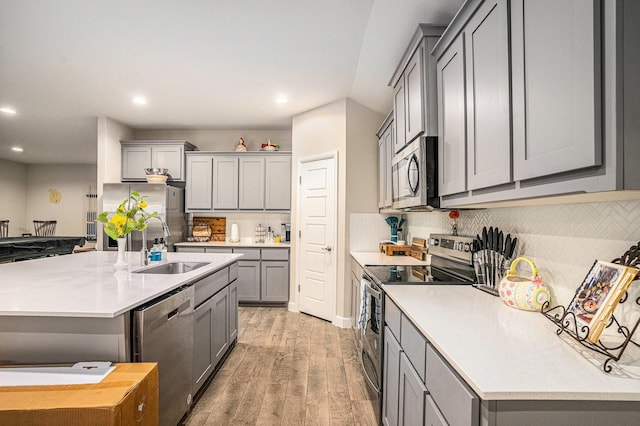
(287, 369)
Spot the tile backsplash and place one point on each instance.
(247, 222)
(562, 240)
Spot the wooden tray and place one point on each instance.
(394, 249)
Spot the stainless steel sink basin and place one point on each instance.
(172, 268)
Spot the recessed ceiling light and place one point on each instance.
(139, 100)
(8, 110)
(17, 149)
(282, 100)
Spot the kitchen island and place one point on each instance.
(78, 307)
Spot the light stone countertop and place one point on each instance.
(509, 354)
(377, 258)
(87, 284)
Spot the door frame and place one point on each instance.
(334, 253)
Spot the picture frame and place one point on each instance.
(598, 295)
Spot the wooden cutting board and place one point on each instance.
(217, 225)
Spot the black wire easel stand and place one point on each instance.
(567, 323)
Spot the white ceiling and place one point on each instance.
(201, 64)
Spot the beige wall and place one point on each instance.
(72, 181)
(222, 139)
(347, 128)
(13, 195)
(110, 132)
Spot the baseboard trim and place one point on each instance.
(293, 307)
(342, 322)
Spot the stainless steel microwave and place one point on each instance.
(414, 176)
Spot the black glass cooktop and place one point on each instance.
(419, 275)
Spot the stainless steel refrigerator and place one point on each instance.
(165, 199)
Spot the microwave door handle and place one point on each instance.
(414, 159)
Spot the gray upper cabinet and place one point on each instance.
(487, 96)
(452, 152)
(544, 115)
(277, 183)
(139, 155)
(385, 158)
(556, 86)
(414, 83)
(399, 140)
(244, 182)
(251, 181)
(225, 183)
(198, 190)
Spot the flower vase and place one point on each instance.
(122, 246)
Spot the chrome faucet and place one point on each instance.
(144, 251)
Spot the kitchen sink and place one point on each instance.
(172, 268)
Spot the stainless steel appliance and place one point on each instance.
(414, 176)
(163, 333)
(165, 199)
(450, 265)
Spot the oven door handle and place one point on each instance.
(373, 385)
(373, 291)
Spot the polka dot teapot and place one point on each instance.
(526, 293)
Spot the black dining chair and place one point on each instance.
(4, 228)
(45, 228)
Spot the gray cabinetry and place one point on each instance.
(452, 152)
(244, 182)
(249, 281)
(391, 379)
(198, 189)
(263, 274)
(556, 86)
(487, 96)
(385, 158)
(215, 322)
(274, 281)
(411, 394)
(225, 183)
(414, 85)
(139, 155)
(277, 183)
(251, 183)
(541, 91)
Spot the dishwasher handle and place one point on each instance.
(163, 319)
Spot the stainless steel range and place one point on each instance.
(451, 264)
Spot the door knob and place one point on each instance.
(327, 248)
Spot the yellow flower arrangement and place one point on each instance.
(123, 221)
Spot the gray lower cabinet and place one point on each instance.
(411, 394)
(249, 280)
(274, 281)
(215, 322)
(391, 379)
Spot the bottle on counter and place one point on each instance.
(163, 249)
(156, 251)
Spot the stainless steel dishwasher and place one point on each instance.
(163, 333)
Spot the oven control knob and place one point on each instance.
(467, 247)
(434, 242)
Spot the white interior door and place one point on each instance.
(317, 225)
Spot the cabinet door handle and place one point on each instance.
(327, 249)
